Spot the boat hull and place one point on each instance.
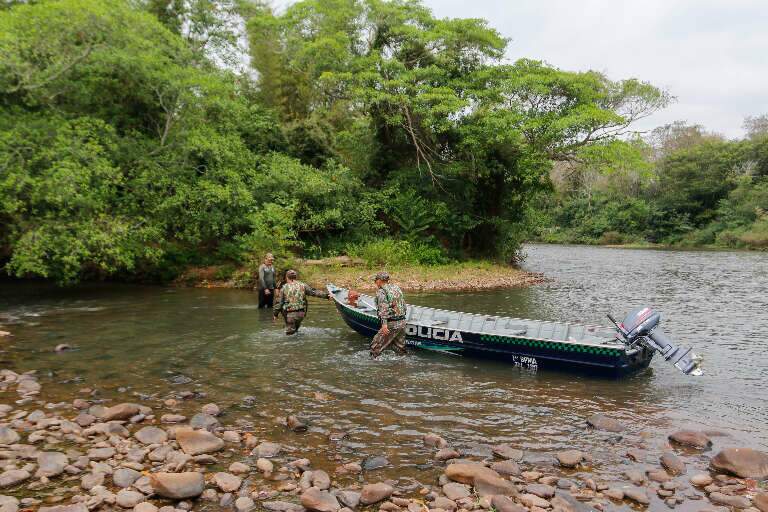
(520, 351)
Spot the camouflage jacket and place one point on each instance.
(390, 302)
(293, 297)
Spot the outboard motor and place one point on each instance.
(640, 327)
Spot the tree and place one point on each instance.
(434, 109)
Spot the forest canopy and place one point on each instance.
(138, 137)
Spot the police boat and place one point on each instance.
(626, 348)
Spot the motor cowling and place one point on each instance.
(640, 326)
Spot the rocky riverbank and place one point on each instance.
(93, 454)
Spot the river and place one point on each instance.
(140, 343)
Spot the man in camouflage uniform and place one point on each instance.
(391, 308)
(293, 302)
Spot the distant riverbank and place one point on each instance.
(349, 273)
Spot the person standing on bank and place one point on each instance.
(293, 302)
(267, 282)
(390, 304)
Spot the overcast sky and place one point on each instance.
(712, 55)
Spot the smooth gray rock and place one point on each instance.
(50, 464)
(151, 435)
(125, 477)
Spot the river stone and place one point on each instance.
(77, 507)
(614, 493)
(51, 464)
(691, 438)
(319, 501)
(637, 495)
(456, 491)
(447, 454)
(227, 482)
(506, 451)
(8, 436)
(120, 412)
(320, 479)
(12, 477)
(728, 500)
(203, 421)
(743, 462)
(531, 500)
(267, 450)
(92, 480)
(375, 462)
(125, 477)
(349, 499)
(145, 506)
(761, 501)
(151, 435)
(659, 475)
(172, 418)
(239, 468)
(244, 504)
(101, 453)
(603, 422)
(129, 499)
(506, 467)
(489, 485)
(467, 473)
(196, 442)
(374, 493)
(178, 486)
(672, 463)
(211, 409)
(505, 504)
(282, 506)
(701, 480)
(434, 441)
(443, 503)
(541, 490)
(266, 466)
(569, 458)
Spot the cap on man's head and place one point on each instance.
(381, 276)
(291, 274)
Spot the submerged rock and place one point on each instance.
(691, 438)
(637, 495)
(506, 451)
(204, 421)
(487, 484)
(603, 422)
(569, 458)
(701, 480)
(295, 424)
(434, 441)
(743, 462)
(507, 467)
(375, 462)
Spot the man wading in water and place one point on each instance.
(293, 302)
(267, 282)
(390, 305)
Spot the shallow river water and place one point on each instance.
(138, 343)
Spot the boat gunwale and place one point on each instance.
(613, 345)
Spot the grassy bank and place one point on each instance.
(348, 273)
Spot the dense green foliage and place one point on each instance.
(686, 188)
(130, 147)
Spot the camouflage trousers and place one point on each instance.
(395, 338)
(293, 321)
